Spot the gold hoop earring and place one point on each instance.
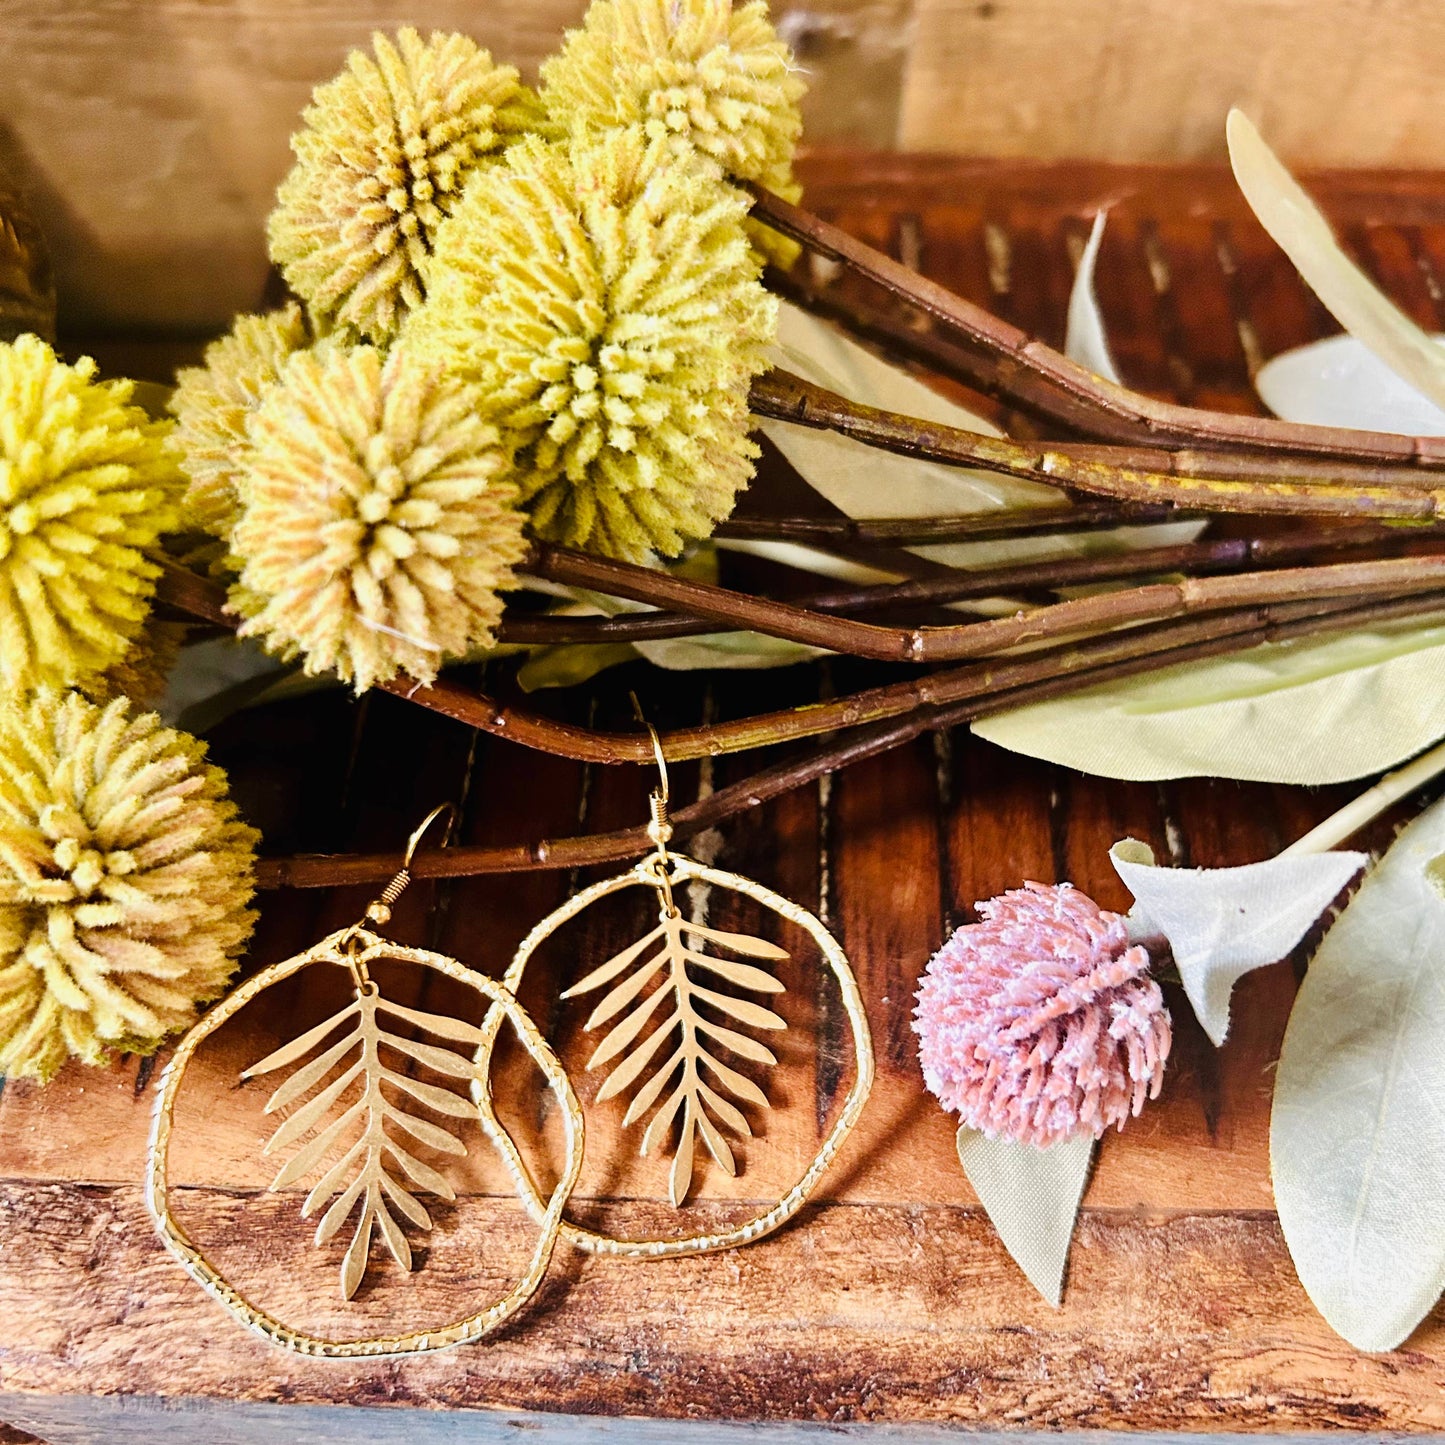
(376, 1171)
(703, 1104)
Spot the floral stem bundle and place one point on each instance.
(536, 342)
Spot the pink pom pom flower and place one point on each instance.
(1040, 1022)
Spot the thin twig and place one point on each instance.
(1222, 555)
(920, 531)
(1035, 376)
(1201, 481)
(928, 714)
(474, 709)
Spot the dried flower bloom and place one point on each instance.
(709, 71)
(87, 487)
(378, 524)
(1040, 1022)
(125, 880)
(702, 72)
(213, 402)
(383, 155)
(605, 298)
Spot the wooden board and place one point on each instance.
(889, 1304)
(152, 133)
(1143, 80)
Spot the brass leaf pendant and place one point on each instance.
(698, 1100)
(363, 1144)
(675, 995)
(372, 1163)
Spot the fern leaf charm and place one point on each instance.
(365, 1162)
(700, 1082)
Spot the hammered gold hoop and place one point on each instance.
(680, 870)
(353, 949)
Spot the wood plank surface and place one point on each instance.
(889, 1302)
(152, 133)
(1338, 83)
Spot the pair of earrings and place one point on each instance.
(676, 1006)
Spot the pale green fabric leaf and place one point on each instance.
(1357, 1137)
(1222, 923)
(726, 650)
(1314, 710)
(1340, 382)
(1031, 1196)
(1085, 341)
(1303, 234)
(571, 663)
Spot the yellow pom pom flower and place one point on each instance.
(604, 296)
(213, 402)
(87, 488)
(707, 70)
(385, 151)
(125, 880)
(379, 523)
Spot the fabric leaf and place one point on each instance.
(1031, 1196)
(1313, 710)
(1223, 922)
(1085, 340)
(1340, 382)
(1357, 1136)
(214, 678)
(1302, 233)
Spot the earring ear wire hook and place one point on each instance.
(661, 792)
(659, 825)
(420, 831)
(378, 911)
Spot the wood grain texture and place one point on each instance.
(891, 1303)
(151, 134)
(1338, 83)
(1183, 1323)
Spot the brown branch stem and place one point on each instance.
(920, 531)
(1061, 666)
(1231, 554)
(1193, 641)
(1151, 602)
(1202, 481)
(1041, 379)
(1228, 597)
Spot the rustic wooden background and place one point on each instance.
(891, 1301)
(153, 132)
